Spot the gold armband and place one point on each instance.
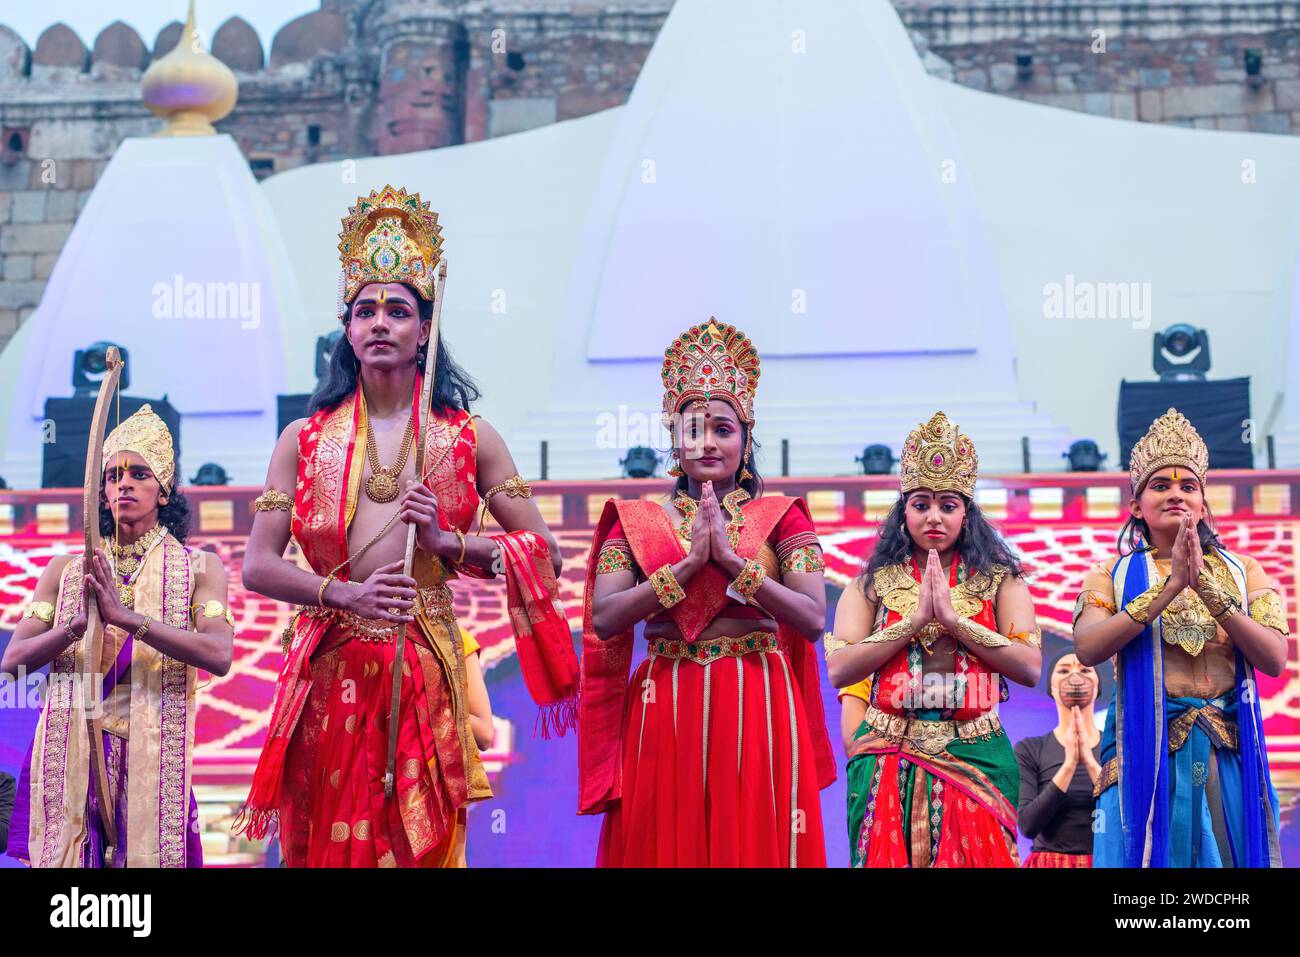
(980, 635)
(40, 609)
(273, 500)
(1139, 609)
(1268, 611)
(613, 558)
(666, 586)
(514, 487)
(833, 644)
(212, 609)
(750, 580)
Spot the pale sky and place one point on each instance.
(88, 17)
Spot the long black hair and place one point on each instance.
(453, 389)
(979, 545)
(753, 485)
(174, 516)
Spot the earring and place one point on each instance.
(675, 470)
(745, 473)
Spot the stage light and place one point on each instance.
(641, 462)
(1181, 341)
(90, 364)
(1084, 456)
(210, 473)
(876, 460)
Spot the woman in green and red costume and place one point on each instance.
(714, 753)
(938, 617)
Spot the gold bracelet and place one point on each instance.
(273, 500)
(899, 629)
(981, 635)
(666, 586)
(460, 535)
(40, 609)
(1217, 600)
(144, 627)
(1139, 609)
(72, 635)
(320, 594)
(750, 580)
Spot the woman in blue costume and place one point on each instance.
(1185, 780)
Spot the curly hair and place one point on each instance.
(174, 516)
(979, 545)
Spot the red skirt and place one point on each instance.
(718, 768)
(334, 813)
(1057, 859)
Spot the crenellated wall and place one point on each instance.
(362, 78)
(355, 78)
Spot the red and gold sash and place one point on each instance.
(606, 665)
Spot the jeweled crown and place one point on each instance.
(937, 456)
(388, 236)
(711, 361)
(1171, 440)
(148, 436)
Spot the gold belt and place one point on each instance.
(704, 652)
(931, 737)
(436, 600)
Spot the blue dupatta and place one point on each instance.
(1141, 741)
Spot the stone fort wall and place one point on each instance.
(374, 77)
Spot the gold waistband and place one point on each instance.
(436, 600)
(704, 652)
(931, 737)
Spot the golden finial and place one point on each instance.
(189, 87)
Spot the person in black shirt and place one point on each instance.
(8, 790)
(1058, 770)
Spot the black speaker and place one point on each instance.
(1220, 411)
(287, 409)
(63, 462)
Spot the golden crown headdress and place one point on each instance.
(148, 436)
(711, 361)
(388, 236)
(1171, 440)
(937, 456)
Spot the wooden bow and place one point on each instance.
(94, 630)
(426, 395)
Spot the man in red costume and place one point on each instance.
(344, 483)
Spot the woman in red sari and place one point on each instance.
(714, 752)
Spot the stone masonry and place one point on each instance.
(373, 77)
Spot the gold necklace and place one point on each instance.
(128, 560)
(732, 501)
(382, 485)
